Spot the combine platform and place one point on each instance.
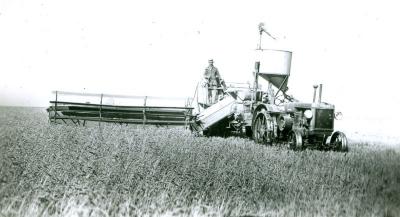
(79, 113)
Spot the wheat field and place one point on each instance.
(120, 170)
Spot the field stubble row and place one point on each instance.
(119, 170)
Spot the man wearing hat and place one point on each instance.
(212, 81)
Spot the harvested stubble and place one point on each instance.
(118, 170)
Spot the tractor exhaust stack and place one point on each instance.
(320, 93)
(315, 93)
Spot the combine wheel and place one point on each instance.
(339, 141)
(260, 130)
(295, 140)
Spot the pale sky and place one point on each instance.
(160, 48)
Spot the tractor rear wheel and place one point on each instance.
(295, 141)
(260, 130)
(339, 141)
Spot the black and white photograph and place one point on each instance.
(199, 108)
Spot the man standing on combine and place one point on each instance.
(213, 82)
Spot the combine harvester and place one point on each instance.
(268, 116)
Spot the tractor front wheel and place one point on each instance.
(295, 141)
(339, 141)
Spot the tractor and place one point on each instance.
(272, 116)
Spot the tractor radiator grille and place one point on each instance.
(324, 119)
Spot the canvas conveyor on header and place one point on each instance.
(268, 116)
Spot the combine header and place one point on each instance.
(96, 109)
(269, 116)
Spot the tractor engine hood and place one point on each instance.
(291, 107)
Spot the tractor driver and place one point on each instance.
(213, 82)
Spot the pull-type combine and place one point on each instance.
(268, 116)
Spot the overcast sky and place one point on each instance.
(161, 48)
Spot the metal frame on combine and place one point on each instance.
(268, 116)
